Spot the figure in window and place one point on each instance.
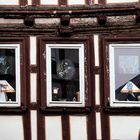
(7, 75)
(130, 91)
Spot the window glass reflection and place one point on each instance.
(127, 73)
(7, 75)
(65, 74)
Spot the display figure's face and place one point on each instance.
(65, 70)
(2, 60)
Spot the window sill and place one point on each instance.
(20, 109)
(66, 109)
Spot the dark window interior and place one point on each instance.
(65, 74)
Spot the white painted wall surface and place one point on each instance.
(11, 21)
(29, 2)
(33, 84)
(33, 48)
(11, 128)
(76, 2)
(96, 49)
(33, 125)
(120, 1)
(78, 127)
(53, 128)
(49, 2)
(95, 1)
(98, 126)
(48, 21)
(9, 2)
(97, 89)
(124, 127)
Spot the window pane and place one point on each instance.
(65, 74)
(7, 75)
(125, 73)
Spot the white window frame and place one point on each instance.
(17, 69)
(114, 103)
(80, 103)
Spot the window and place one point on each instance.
(124, 67)
(65, 74)
(13, 73)
(9, 74)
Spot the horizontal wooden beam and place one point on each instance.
(82, 12)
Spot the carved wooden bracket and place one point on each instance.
(64, 28)
(102, 20)
(65, 20)
(64, 31)
(138, 16)
(29, 21)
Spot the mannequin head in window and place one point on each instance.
(7, 61)
(4, 65)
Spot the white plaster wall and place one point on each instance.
(78, 127)
(11, 128)
(83, 21)
(53, 128)
(124, 127)
(48, 21)
(97, 89)
(76, 2)
(95, 1)
(33, 84)
(29, 2)
(11, 21)
(9, 2)
(33, 50)
(98, 126)
(49, 2)
(33, 125)
(120, 1)
(96, 49)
